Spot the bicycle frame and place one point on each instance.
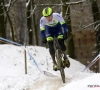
(58, 55)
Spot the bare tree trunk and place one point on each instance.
(34, 26)
(98, 3)
(2, 24)
(66, 15)
(29, 23)
(96, 16)
(9, 21)
(21, 22)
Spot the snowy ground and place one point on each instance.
(13, 77)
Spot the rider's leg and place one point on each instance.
(59, 34)
(63, 48)
(50, 35)
(52, 53)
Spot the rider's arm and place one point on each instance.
(62, 22)
(65, 27)
(42, 28)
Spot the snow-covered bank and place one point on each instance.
(12, 70)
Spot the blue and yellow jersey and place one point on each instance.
(57, 18)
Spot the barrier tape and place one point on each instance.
(92, 62)
(14, 43)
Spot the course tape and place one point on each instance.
(9, 41)
(92, 62)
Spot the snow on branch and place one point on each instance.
(87, 18)
(27, 3)
(97, 27)
(49, 4)
(7, 6)
(90, 24)
(67, 3)
(32, 12)
(71, 3)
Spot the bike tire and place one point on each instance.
(61, 69)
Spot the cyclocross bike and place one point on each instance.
(59, 58)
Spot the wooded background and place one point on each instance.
(19, 22)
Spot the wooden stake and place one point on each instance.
(25, 60)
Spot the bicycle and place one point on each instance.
(59, 55)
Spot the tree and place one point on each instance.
(96, 16)
(35, 30)
(29, 23)
(2, 23)
(66, 13)
(21, 22)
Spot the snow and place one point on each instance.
(84, 84)
(13, 77)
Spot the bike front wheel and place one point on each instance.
(60, 65)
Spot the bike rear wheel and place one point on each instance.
(60, 65)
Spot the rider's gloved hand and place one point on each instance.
(65, 36)
(44, 40)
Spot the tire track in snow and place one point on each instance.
(48, 83)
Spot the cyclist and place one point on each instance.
(52, 24)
